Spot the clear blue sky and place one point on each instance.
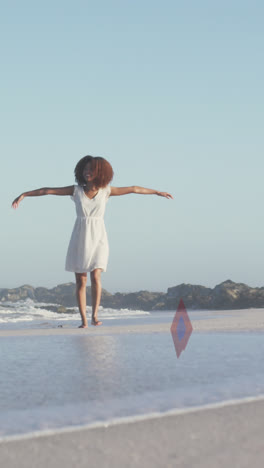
(171, 93)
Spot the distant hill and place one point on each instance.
(226, 295)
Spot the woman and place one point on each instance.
(88, 249)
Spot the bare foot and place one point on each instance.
(96, 322)
(83, 326)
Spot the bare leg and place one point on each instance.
(81, 279)
(96, 294)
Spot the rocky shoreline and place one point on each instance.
(226, 295)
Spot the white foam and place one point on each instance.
(30, 311)
(131, 419)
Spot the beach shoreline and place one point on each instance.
(230, 434)
(226, 432)
(234, 321)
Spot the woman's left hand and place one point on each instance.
(164, 194)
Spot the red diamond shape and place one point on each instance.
(181, 328)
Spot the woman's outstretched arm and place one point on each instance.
(136, 189)
(43, 191)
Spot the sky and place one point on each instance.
(171, 94)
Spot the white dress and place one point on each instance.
(88, 248)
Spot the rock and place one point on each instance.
(17, 294)
(226, 295)
(59, 309)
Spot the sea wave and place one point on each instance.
(30, 311)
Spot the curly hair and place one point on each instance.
(101, 168)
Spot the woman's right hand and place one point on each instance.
(17, 201)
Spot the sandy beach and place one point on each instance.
(228, 433)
